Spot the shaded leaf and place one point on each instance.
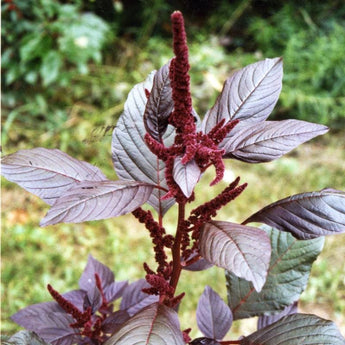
(204, 341)
(131, 157)
(186, 175)
(199, 265)
(47, 173)
(134, 299)
(297, 329)
(243, 250)
(98, 200)
(114, 321)
(287, 277)
(213, 316)
(154, 325)
(269, 140)
(159, 104)
(265, 320)
(249, 95)
(306, 215)
(25, 338)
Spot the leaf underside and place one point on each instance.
(213, 316)
(47, 173)
(249, 95)
(243, 250)
(288, 273)
(131, 157)
(306, 215)
(297, 329)
(269, 140)
(154, 325)
(97, 200)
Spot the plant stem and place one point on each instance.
(176, 249)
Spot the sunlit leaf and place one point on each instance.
(243, 250)
(213, 316)
(24, 338)
(287, 277)
(159, 104)
(97, 200)
(306, 215)
(297, 329)
(269, 140)
(154, 325)
(47, 173)
(249, 95)
(131, 157)
(186, 175)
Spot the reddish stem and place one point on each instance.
(176, 249)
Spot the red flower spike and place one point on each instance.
(187, 339)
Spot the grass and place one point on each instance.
(33, 256)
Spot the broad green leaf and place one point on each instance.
(47, 173)
(243, 250)
(288, 273)
(50, 67)
(297, 329)
(306, 215)
(97, 200)
(154, 325)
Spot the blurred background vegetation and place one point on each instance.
(67, 67)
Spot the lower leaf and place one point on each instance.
(297, 329)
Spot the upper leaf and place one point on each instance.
(47, 173)
(134, 299)
(213, 316)
(287, 277)
(159, 104)
(204, 341)
(154, 325)
(297, 329)
(269, 140)
(98, 200)
(306, 215)
(243, 250)
(132, 159)
(186, 175)
(249, 95)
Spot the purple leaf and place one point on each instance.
(159, 104)
(213, 316)
(306, 215)
(204, 341)
(115, 290)
(134, 299)
(249, 95)
(156, 324)
(114, 321)
(24, 338)
(297, 329)
(98, 200)
(269, 140)
(243, 250)
(87, 280)
(47, 173)
(131, 157)
(199, 265)
(93, 299)
(76, 297)
(288, 273)
(265, 320)
(186, 175)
